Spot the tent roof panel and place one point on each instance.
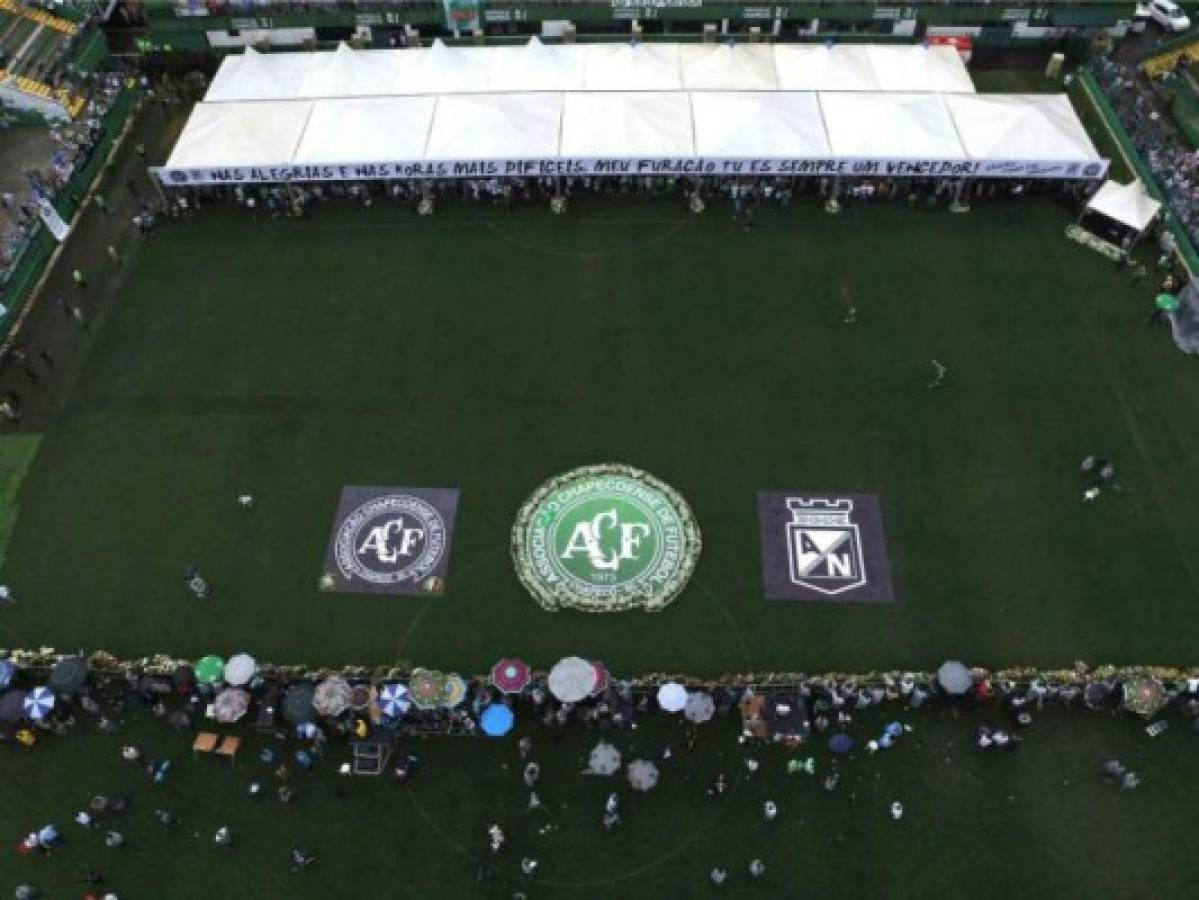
(728, 67)
(240, 134)
(496, 126)
(1126, 203)
(538, 67)
(816, 67)
(758, 125)
(626, 125)
(1033, 127)
(890, 126)
(367, 130)
(632, 67)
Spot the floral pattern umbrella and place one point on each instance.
(642, 774)
(210, 669)
(453, 690)
(510, 675)
(1144, 695)
(230, 705)
(604, 760)
(333, 696)
(426, 687)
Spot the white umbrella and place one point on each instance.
(572, 679)
(230, 705)
(699, 708)
(955, 677)
(240, 669)
(643, 774)
(332, 697)
(604, 760)
(672, 697)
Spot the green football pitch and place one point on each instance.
(488, 351)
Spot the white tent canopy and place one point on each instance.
(729, 67)
(754, 125)
(441, 69)
(890, 126)
(1128, 204)
(495, 127)
(244, 134)
(627, 126)
(352, 131)
(1020, 127)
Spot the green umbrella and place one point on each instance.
(1166, 302)
(210, 669)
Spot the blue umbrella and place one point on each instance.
(39, 702)
(394, 699)
(7, 670)
(840, 743)
(497, 720)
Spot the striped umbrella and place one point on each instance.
(394, 699)
(210, 669)
(39, 702)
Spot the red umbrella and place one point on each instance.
(601, 679)
(510, 675)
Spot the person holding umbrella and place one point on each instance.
(1164, 304)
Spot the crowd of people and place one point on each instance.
(1175, 165)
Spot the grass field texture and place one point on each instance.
(490, 350)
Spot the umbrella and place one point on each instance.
(1144, 695)
(39, 702)
(360, 697)
(601, 679)
(510, 675)
(12, 705)
(604, 760)
(954, 677)
(572, 679)
(672, 697)
(7, 670)
(240, 669)
(210, 669)
(426, 687)
(394, 700)
(230, 705)
(332, 697)
(297, 703)
(643, 774)
(699, 707)
(497, 720)
(183, 678)
(1166, 302)
(1096, 694)
(453, 691)
(840, 744)
(68, 675)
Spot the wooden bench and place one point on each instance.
(229, 747)
(205, 742)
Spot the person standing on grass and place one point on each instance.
(6, 595)
(113, 255)
(80, 279)
(100, 204)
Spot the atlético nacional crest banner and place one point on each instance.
(819, 546)
(391, 540)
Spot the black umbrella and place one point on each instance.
(183, 678)
(12, 705)
(68, 675)
(297, 703)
